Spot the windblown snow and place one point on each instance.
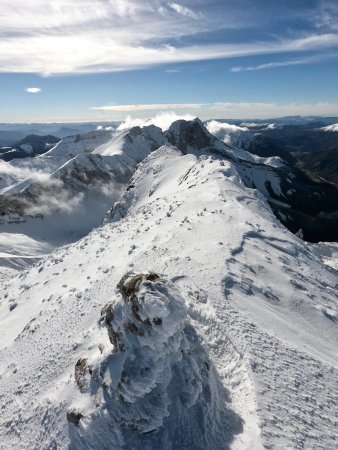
(190, 319)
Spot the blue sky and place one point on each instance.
(107, 59)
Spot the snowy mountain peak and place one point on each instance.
(135, 143)
(73, 145)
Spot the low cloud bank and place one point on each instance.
(53, 197)
(162, 120)
(46, 194)
(243, 111)
(22, 173)
(227, 132)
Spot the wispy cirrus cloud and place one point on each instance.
(99, 52)
(184, 11)
(286, 63)
(327, 18)
(90, 36)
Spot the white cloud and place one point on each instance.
(165, 119)
(100, 128)
(148, 107)
(162, 120)
(275, 64)
(100, 52)
(271, 65)
(184, 11)
(327, 17)
(228, 133)
(130, 122)
(50, 194)
(23, 173)
(220, 110)
(54, 198)
(215, 127)
(91, 36)
(33, 90)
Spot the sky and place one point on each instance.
(94, 60)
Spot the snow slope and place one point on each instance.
(328, 251)
(71, 146)
(134, 143)
(19, 251)
(18, 174)
(232, 345)
(66, 192)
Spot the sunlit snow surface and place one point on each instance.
(245, 356)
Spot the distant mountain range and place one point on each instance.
(31, 145)
(13, 132)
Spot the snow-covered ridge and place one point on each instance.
(244, 356)
(71, 146)
(135, 143)
(73, 186)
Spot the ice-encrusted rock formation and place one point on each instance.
(155, 372)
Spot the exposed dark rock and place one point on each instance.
(192, 133)
(107, 317)
(81, 370)
(12, 204)
(129, 283)
(74, 417)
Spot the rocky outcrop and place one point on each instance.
(191, 134)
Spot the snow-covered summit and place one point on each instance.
(74, 145)
(134, 143)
